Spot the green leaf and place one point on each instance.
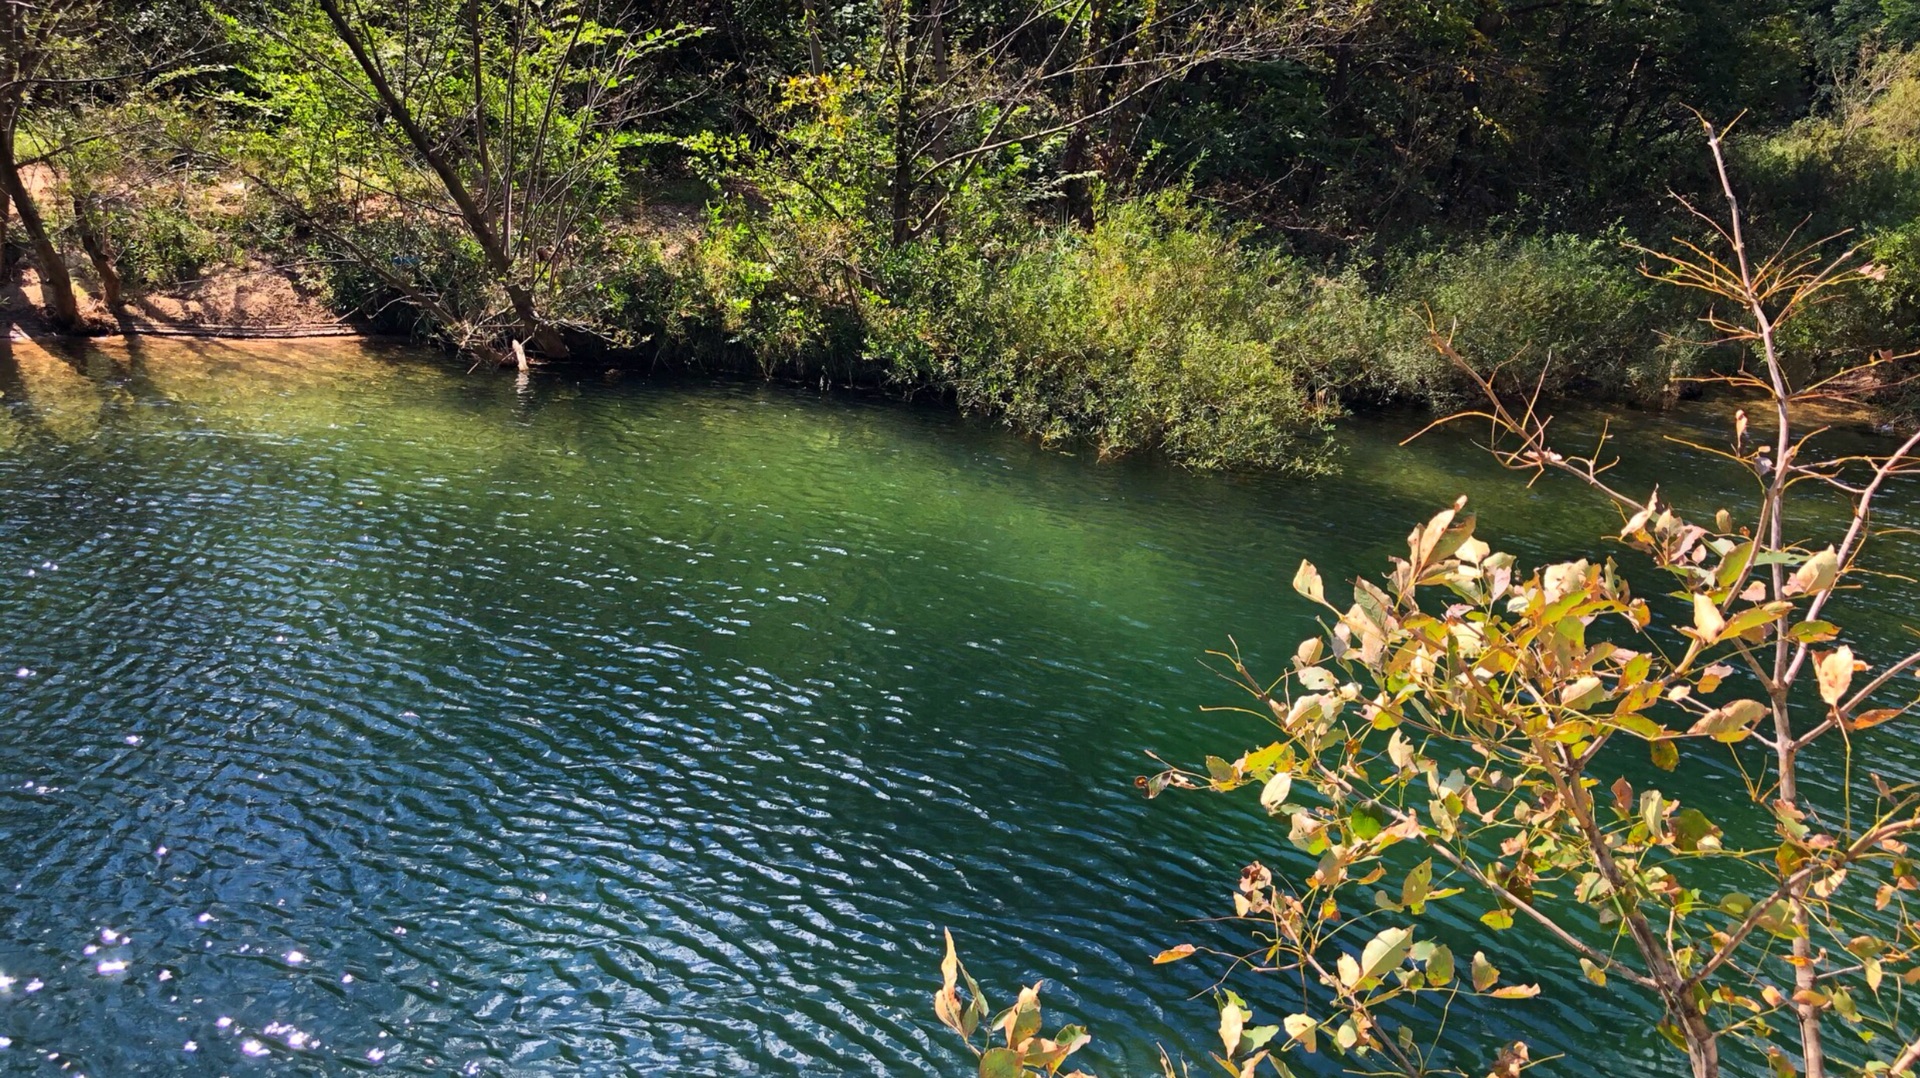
(1254, 1039)
(1498, 920)
(1263, 761)
(1692, 831)
(1366, 822)
(1813, 632)
(1415, 888)
(1384, 953)
(1752, 618)
(1440, 967)
(1666, 755)
(1000, 1063)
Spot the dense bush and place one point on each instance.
(1565, 312)
(1163, 327)
(1158, 328)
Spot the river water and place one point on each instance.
(361, 713)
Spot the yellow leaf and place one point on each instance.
(1306, 581)
(1815, 575)
(1232, 1021)
(1173, 954)
(1303, 1029)
(1835, 671)
(1274, 794)
(1730, 724)
(1483, 972)
(1517, 991)
(1707, 621)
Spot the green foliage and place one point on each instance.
(1486, 718)
(1157, 329)
(1568, 313)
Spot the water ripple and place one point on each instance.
(391, 721)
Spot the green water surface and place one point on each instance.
(361, 713)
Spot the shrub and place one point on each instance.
(1159, 328)
(1572, 308)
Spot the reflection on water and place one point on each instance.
(365, 715)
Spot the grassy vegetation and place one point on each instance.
(865, 218)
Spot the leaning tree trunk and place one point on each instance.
(93, 239)
(544, 336)
(56, 285)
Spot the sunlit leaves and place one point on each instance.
(1707, 622)
(1468, 714)
(1816, 575)
(1484, 973)
(1746, 621)
(1234, 1016)
(1813, 632)
(1384, 953)
(1303, 1030)
(1416, 887)
(1666, 755)
(1693, 832)
(1835, 672)
(1024, 1051)
(1001, 1063)
(1732, 722)
(961, 1018)
(1868, 719)
(1306, 581)
(1274, 794)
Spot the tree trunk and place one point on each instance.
(816, 56)
(1074, 157)
(93, 240)
(1079, 188)
(544, 336)
(6, 236)
(56, 285)
(901, 186)
(1703, 1048)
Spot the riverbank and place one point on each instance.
(264, 303)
